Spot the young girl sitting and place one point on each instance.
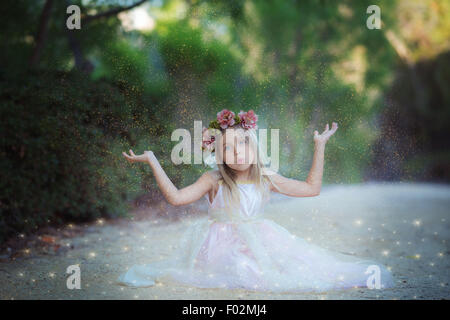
(234, 247)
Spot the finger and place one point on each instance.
(327, 128)
(334, 127)
(132, 153)
(316, 133)
(128, 158)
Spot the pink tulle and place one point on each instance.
(249, 252)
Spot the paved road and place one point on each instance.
(404, 226)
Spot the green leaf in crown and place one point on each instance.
(214, 124)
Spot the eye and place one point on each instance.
(244, 141)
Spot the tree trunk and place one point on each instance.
(41, 36)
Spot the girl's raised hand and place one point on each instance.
(146, 157)
(323, 138)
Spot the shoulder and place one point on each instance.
(270, 173)
(273, 178)
(213, 176)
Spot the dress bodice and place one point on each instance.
(251, 205)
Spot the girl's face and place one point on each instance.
(237, 152)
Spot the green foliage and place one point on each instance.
(293, 62)
(62, 139)
(214, 125)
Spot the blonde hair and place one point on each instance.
(257, 173)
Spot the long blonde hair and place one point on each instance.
(256, 172)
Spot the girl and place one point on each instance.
(234, 247)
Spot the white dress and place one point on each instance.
(250, 252)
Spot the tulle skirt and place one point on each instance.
(256, 255)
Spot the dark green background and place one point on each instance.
(72, 101)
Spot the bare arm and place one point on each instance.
(311, 187)
(173, 195)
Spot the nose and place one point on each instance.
(240, 153)
(238, 150)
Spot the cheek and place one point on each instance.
(249, 152)
(228, 155)
(251, 156)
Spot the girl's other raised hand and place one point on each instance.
(324, 136)
(147, 156)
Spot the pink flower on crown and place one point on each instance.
(208, 139)
(248, 119)
(225, 118)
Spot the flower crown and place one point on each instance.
(225, 119)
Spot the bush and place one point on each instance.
(62, 138)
